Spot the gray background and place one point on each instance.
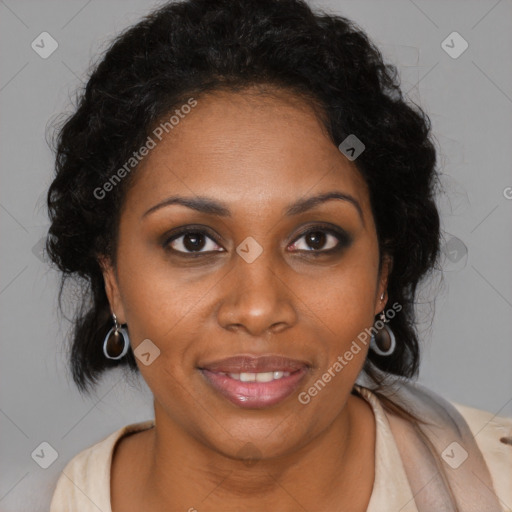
(467, 348)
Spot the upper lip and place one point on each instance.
(252, 364)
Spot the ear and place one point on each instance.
(112, 289)
(385, 271)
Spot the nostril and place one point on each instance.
(506, 440)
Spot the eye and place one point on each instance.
(192, 241)
(321, 240)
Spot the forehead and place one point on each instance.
(246, 146)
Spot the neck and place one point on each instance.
(333, 470)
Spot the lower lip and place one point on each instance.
(254, 395)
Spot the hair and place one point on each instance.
(193, 47)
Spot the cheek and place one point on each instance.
(155, 293)
(344, 309)
(343, 313)
(345, 296)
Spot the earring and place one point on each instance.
(384, 337)
(113, 346)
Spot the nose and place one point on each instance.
(257, 299)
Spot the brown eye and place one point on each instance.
(316, 239)
(321, 241)
(192, 241)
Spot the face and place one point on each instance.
(250, 267)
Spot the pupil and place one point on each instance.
(193, 241)
(315, 239)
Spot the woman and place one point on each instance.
(251, 202)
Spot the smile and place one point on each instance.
(254, 382)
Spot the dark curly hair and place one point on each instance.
(191, 47)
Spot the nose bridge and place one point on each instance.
(258, 278)
(256, 263)
(257, 298)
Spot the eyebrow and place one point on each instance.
(213, 207)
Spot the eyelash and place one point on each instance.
(344, 240)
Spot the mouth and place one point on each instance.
(255, 382)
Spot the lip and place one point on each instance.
(254, 395)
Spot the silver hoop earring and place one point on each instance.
(117, 342)
(385, 338)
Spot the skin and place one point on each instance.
(256, 153)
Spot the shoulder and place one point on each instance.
(84, 483)
(493, 435)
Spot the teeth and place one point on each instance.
(258, 377)
(264, 377)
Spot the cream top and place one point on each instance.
(84, 484)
